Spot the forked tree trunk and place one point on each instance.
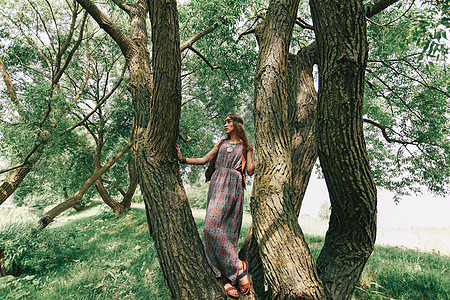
(288, 269)
(58, 209)
(340, 28)
(116, 207)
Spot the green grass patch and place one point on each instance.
(113, 257)
(100, 257)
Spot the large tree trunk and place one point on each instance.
(340, 29)
(54, 212)
(288, 268)
(179, 248)
(302, 109)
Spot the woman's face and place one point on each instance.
(229, 126)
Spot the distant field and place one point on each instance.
(423, 239)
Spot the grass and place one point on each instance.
(113, 257)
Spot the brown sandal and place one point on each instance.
(244, 287)
(231, 290)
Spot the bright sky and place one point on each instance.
(412, 211)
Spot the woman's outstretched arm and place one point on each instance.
(198, 161)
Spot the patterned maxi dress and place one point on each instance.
(224, 212)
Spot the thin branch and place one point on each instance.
(113, 64)
(12, 124)
(189, 100)
(424, 83)
(125, 7)
(56, 24)
(85, 81)
(385, 135)
(189, 73)
(30, 68)
(32, 44)
(198, 36)
(404, 59)
(378, 7)
(303, 24)
(62, 49)
(184, 139)
(72, 51)
(43, 24)
(400, 98)
(209, 64)
(84, 147)
(203, 58)
(12, 168)
(86, 117)
(396, 19)
(251, 29)
(247, 32)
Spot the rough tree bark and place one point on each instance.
(302, 110)
(287, 274)
(342, 48)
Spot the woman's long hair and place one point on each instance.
(238, 123)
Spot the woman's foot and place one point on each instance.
(230, 289)
(243, 279)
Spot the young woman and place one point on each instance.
(225, 204)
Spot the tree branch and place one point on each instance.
(400, 98)
(385, 135)
(72, 51)
(12, 124)
(125, 7)
(126, 44)
(396, 19)
(378, 7)
(203, 58)
(12, 168)
(303, 24)
(198, 36)
(189, 100)
(62, 49)
(43, 24)
(8, 82)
